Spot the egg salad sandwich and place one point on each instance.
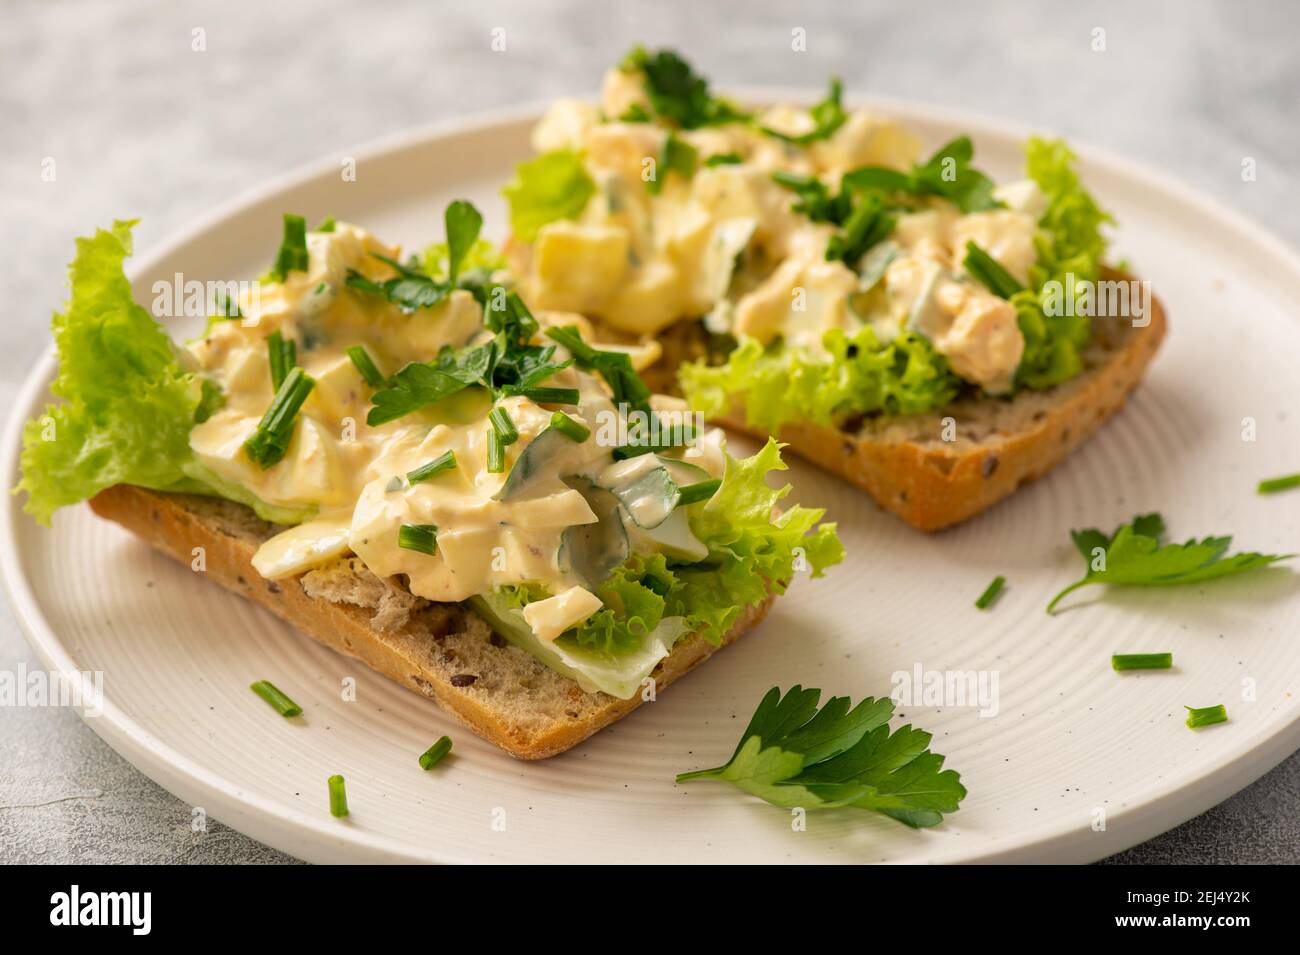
(899, 318)
(399, 458)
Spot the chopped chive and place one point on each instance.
(443, 462)
(1142, 661)
(421, 537)
(293, 255)
(270, 441)
(271, 693)
(366, 366)
(1205, 716)
(505, 428)
(990, 593)
(496, 453)
(1273, 485)
(693, 493)
(574, 430)
(327, 225)
(283, 355)
(338, 797)
(723, 159)
(434, 754)
(224, 306)
(989, 272)
(552, 396)
(674, 436)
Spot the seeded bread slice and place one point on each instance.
(443, 651)
(997, 444)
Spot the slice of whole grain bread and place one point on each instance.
(908, 464)
(443, 651)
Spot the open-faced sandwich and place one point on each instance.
(400, 459)
(899, 318)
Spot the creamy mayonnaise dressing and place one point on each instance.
(726, 245)
(352, 475)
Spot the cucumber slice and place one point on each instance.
(673, 537)
(532, 462)
(619, 675)
(872, 267)
(650, 496)
(593, 550)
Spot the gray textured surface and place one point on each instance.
(140, 124)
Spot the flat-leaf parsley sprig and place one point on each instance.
(1134, 555)
(793, 754)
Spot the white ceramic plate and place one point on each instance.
(1072, 743)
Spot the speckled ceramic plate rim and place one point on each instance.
(314, 839)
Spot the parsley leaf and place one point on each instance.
(861, 216)
(794, 755)
(827, 115)
(412, 388)
(415, 287)
(506, 365)
(677, 93)
(614, 366)
(814, 199)
(1133, 555)
(409, 290)
(462, 222)
(947, 173)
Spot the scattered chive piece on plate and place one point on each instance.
(990, 593)
(496, 453)
(505, 429)
(1142, 661)
(271, 693)
(338, 797)
(434, 754)
(570, 428)
(693, 493)
(421, 537)
(552, 396)
(364, 364)
(1273, 485)
(443, 462)
(1206, 715)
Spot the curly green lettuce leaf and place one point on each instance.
(1054, 343)
(1070, 243)
(794, 755)
(753, 551)
(634, 598)
(553, 186)
(859, 374)
(127, 403)
(649, 603)
(1070, 240)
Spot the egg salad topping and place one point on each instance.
(780, 226)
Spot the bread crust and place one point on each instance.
(174, 524)
(933, 484)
